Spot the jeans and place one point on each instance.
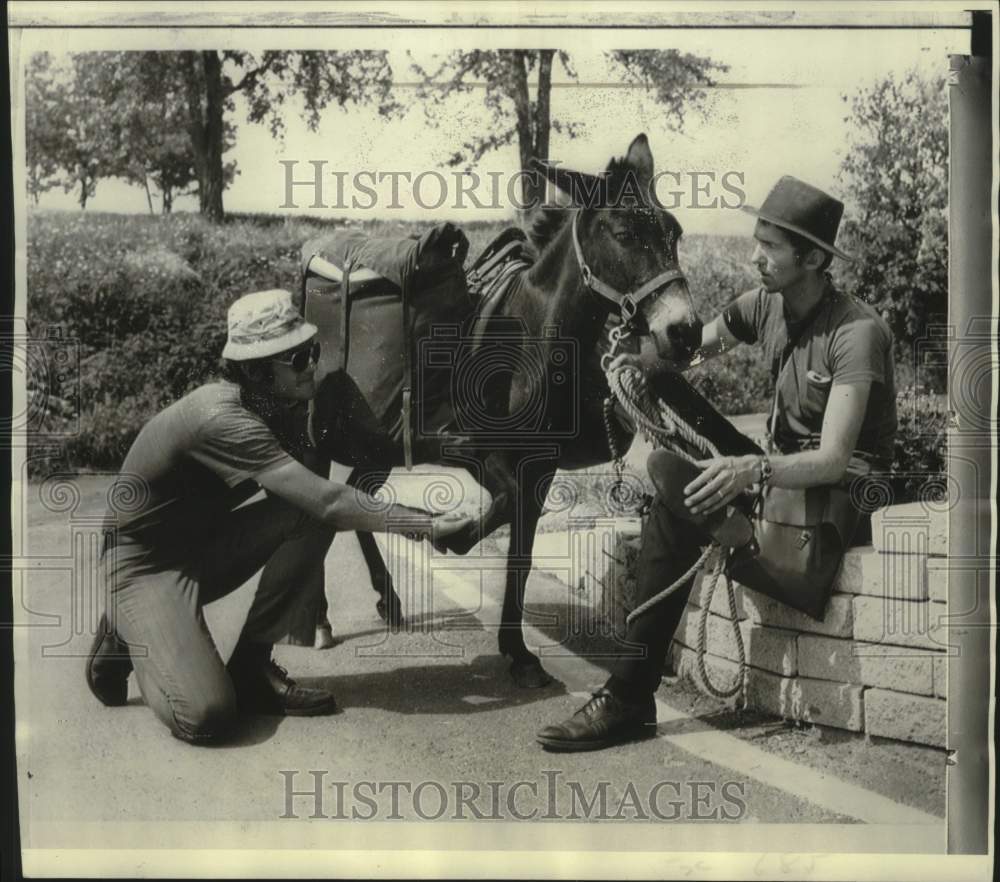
(158, 593)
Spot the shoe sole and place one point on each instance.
(556, 745)
(322, 711)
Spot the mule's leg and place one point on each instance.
(525, 667)
(388, 604)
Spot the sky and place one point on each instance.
(779, 109)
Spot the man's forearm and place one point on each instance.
(810, 468)
(359, 511)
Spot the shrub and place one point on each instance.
(895, 178)
(146, 300)
(920, 461)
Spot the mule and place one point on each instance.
(612, 249)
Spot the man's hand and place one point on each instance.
(445, 525)
(722, 480)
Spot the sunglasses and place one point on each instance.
(301, 358)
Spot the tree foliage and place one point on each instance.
(166, 117)
(895, 177)
(42, 130)
(516, 116)
(210, 79)
(68, 141)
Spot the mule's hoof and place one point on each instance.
(391, 613)
(530, 675)
(324, 638)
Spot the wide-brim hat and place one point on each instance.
(797, 206)
(263, 324)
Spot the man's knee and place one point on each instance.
(670, 474)
(206, 720)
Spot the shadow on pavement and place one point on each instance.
(461, 688)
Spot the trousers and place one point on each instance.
(158, 591)
(672, 540)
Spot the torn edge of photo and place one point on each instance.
(648, 350)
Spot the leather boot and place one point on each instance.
(604, 720)
(264, 687)
(108, 666)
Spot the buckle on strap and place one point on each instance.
(628, 308)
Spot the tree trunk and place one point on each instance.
(168, 200)
(203, 76)
(543, 113)
(530, 190)
(149, 196)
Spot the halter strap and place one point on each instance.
(628, 304)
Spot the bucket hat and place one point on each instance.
(265, 323)
(797, 206)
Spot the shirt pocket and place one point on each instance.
(817, 392)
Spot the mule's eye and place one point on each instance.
(622, 232)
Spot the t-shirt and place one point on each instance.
(843, 341)
(195, 461)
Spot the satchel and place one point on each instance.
(801, 536)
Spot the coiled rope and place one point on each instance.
(661, 425)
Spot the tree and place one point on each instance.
(210, 79)
(68, 139)
(895, 178)
(677, 79)
(147, 114)
(42, 133)
(121, 112)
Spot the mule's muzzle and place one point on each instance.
(685, 339)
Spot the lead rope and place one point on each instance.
(660, 424)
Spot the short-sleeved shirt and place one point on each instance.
(197, 460)
(842, 341)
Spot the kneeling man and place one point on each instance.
(189, 539)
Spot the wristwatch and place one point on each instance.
(765, 471)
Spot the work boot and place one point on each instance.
(264, 687)
(601, 722)
(108, 666)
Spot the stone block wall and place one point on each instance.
(876, 663)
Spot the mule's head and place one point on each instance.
(628, 242)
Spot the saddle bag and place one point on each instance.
(372, 300)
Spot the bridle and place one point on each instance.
(627, 304)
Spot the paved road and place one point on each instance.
(431, 728)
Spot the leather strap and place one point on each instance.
(345, 316)
(786, 358)
(628, 304)
(408, 343)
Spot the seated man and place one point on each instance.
(188, 540)
(834, 415)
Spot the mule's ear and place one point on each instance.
(579, 186)
(640, 158)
